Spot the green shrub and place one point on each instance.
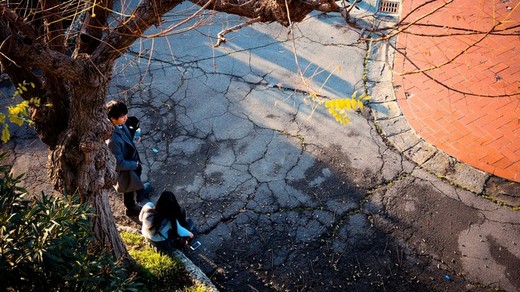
(46, 245)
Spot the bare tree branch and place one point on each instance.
(443, 84)
(168, 31)
(499, 23)
(507, 31)
(26, 50)
(93, 26)
(269, 10)
(123, 36)
(53, 26)
(407, 26)
(221, 34)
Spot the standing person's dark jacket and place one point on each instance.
(128, 166)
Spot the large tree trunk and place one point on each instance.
(75, 127)
(82, 163)
(104, 226)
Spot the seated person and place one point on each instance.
(165, 223)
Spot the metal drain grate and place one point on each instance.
(389, 7)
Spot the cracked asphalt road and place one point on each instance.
(285, 197)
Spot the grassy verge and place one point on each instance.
(157, 271)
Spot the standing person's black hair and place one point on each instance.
(116, 109)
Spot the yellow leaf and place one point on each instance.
(19, 109)
(342, 103)
(360, 104)
(35, 101)
(16, 120)
(5, 133)
(348, 104)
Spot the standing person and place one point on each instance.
(128, 165)
(165, 223)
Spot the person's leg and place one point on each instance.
(128, 200)
(132, 209)
(144, 193)
(181, 231)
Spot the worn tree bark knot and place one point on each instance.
(87, 146)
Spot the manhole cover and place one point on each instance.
(389, 7)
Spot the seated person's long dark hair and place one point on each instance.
(167, 207)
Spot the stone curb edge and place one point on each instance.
(393, 127)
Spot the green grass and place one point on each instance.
(158, 272)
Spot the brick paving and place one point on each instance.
(469, 107)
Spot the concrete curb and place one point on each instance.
(194, 271)
(393, 126)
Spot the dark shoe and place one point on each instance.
(133, 212)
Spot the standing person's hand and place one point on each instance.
(137, 135)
